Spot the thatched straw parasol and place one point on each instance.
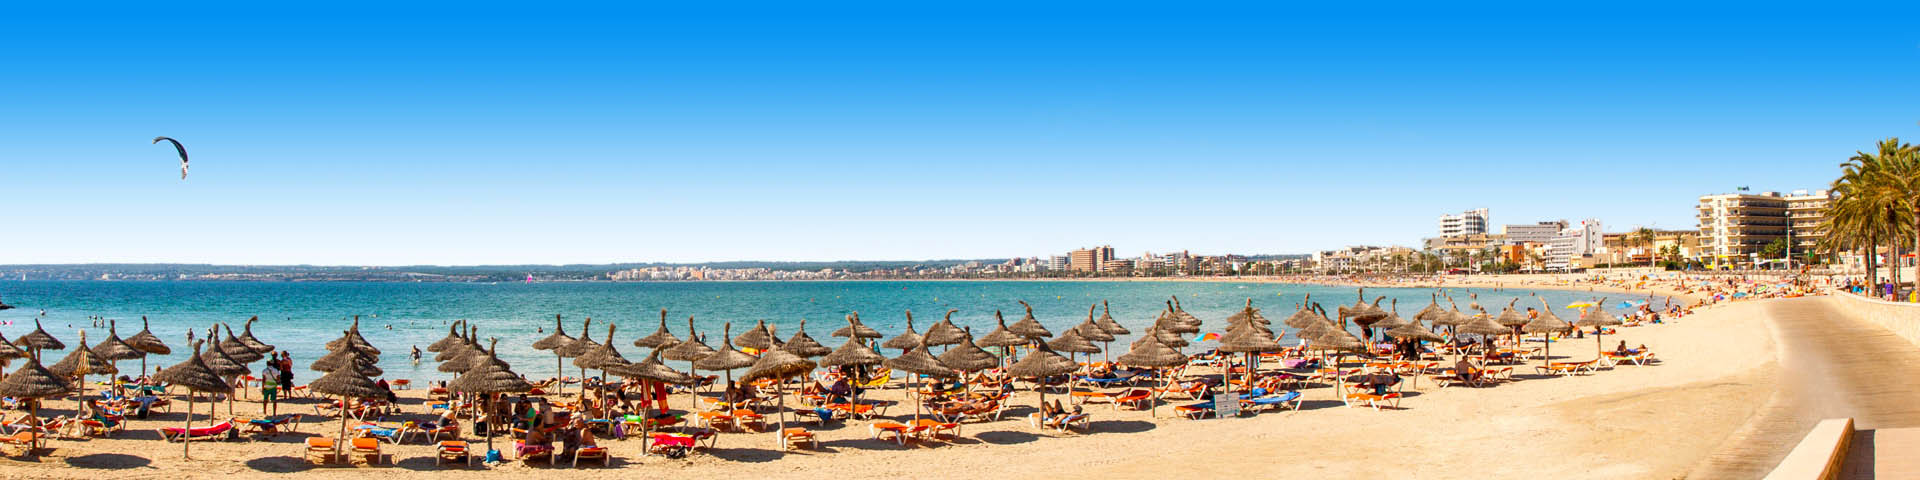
(692, 350)
(758, 338)
(1511, 318)
(1091, 331)
(235, 348)
(1106, 321)
(916, 361)
(1302, 317)
(855, 329)
(660, 338)
(453, 337)
(459, 349)
(490, 377)
(1598, 319)
(804, 345)
(603, 357)
(1170, 322)
(967, 356)
(1484, 326)
(223, 363)
(944, 332)
(1040, 364)
(36, 382)
(552, 343)
(113, 348)
(9, 352)
(353, 337)
(1247, 335)
(778, 365)
(1451, 317)
(145, 341)
(1072, 342)
(580, 346)
(38, 339)
(82, 362)
(1546, 325)
(855, 354)
(1149, 352)
(905, 341)
(1001, 336)
(1028, 326)
(347, 383)
(1187, 320)
(193, 375)
(246, 337)
(727, 358)
(651, 370)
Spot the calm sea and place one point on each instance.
(301, 317)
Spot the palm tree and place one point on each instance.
(1877, 199)
(1644, 237)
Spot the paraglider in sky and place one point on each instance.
(183, 154)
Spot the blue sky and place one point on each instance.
(495, 133)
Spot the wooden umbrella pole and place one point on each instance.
(186, 443)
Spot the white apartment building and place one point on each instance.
(1736, 227)
(1470, 222)
(1541, 232)
(1574, 242)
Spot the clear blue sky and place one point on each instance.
(496, 133)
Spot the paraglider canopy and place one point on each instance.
(179, 148)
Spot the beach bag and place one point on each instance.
(493, 456)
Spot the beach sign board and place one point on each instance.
(1226, 405)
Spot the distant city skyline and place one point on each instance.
(358, 136)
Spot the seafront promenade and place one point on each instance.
(1832, 365)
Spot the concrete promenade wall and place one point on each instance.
(1902, 319)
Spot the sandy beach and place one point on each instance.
(1652, 421)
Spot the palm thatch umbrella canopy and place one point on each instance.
(1247, 334)
(1106, 321)
(553, 343)
(1160, 332)
(1091, 329)
(237, 349)
(246, 337)
(1546, 325)
(223, 363)
(581, 346)
(660, 338)
(36, 382)
(855, 329)
(347, 383)
(1597, 319)
(692, 349)
(459, 349)
(1072, 342)
(145, 341)
(113, 348)
(804, 345)
(80, 363)
(38, 339)
(905, 341)
(757, 338)
(1186, 319)
(1303, 317)
(353, 336)
(1426, 314)
(726, 358)
(1413, 331)
(651, 370)
(194, 375)
(853, 353)
(1482, 325)
(490, 376)
(1391, 321)
(1028, 326)
(453, 337)
(1366, 314)
(1452, 317)
(917, 361)
(1149, 352)
(8, 351)
(944, 332)
(350, 355)
(1511, 317)
(778, 365)
(603, 357)
(1170, 322)
(967, 356)
(1040, 364)
(1001, 336)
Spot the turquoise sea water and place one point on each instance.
(301, 317)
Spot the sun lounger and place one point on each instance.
(1100, 382)
(1377, 401)
(745, 420)
(527, 453)
(1194, 411)
(367, 449)
(179, 434)
(1138, 399)
(930, 429)
(267, 427)
(23, 439)
(1273, 401)
(898, 430)
(591, 453)
(793, 437)
(319, 450)
(715, 419)
(453, 451)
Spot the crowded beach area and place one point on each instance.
(1645, 387)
